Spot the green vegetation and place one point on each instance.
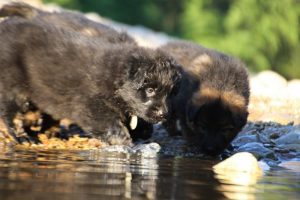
(263, 33)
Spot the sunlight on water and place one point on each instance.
(94, 175)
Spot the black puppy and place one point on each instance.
(67, 20)
(94, 83)
(211, 106)
(77, 22)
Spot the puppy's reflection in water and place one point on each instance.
(111, 176)
(99, 175)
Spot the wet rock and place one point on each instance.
(257, 149)
(118, 149)
(244, 139)
(290, 138)
(239, 169)
(263, 139)
(291, 147)
(242, 162)
(287, 156)
(264, 165)
(271, 162)
(147, 150)
(274, 135)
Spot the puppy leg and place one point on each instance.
(103, 122)
(113, 132)
(7, 113)
(117, 134)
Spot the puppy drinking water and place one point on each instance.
(211, 105)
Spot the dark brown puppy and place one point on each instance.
(211, 106)
(67, 20)
(94, 83)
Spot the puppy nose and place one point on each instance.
(161, 113)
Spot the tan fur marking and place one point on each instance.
(233, 99)
(199, 64)
(230, 98)
(205, 95)
(89, 32)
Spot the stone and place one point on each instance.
(244, 139)
(118, 149)
(293, 88)
(257, 149)
(147, 150)
(268, 83)
(239, 169)
(290, 138)
(290, 147)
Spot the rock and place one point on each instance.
(257, 149)
(242, 162)
(239, 169)
(264, 165)
(290, 147)
(293, 88)
(268, 83)
(147, 150)
(244, 139)
(118, 149)
(291, 138)
(270, 162)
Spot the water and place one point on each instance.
(28, 174)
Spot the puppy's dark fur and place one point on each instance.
(94, 83)
(67, 20)
(79, 23)
(211, 106)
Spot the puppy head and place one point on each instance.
(152, 78)
(214, 118)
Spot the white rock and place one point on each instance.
(239, 169)
(268, 83)
(293, 89)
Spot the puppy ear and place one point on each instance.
(137, 71)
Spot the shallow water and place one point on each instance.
(28, 174)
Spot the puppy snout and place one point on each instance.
(161, 113)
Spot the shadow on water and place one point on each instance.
(93, 175)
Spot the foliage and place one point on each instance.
(263, 33)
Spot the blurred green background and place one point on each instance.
(263, 33)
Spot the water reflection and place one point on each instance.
(94, 175)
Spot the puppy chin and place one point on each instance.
(154, 119)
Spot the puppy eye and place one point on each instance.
(150, 92)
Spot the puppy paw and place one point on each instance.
(117, 134)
